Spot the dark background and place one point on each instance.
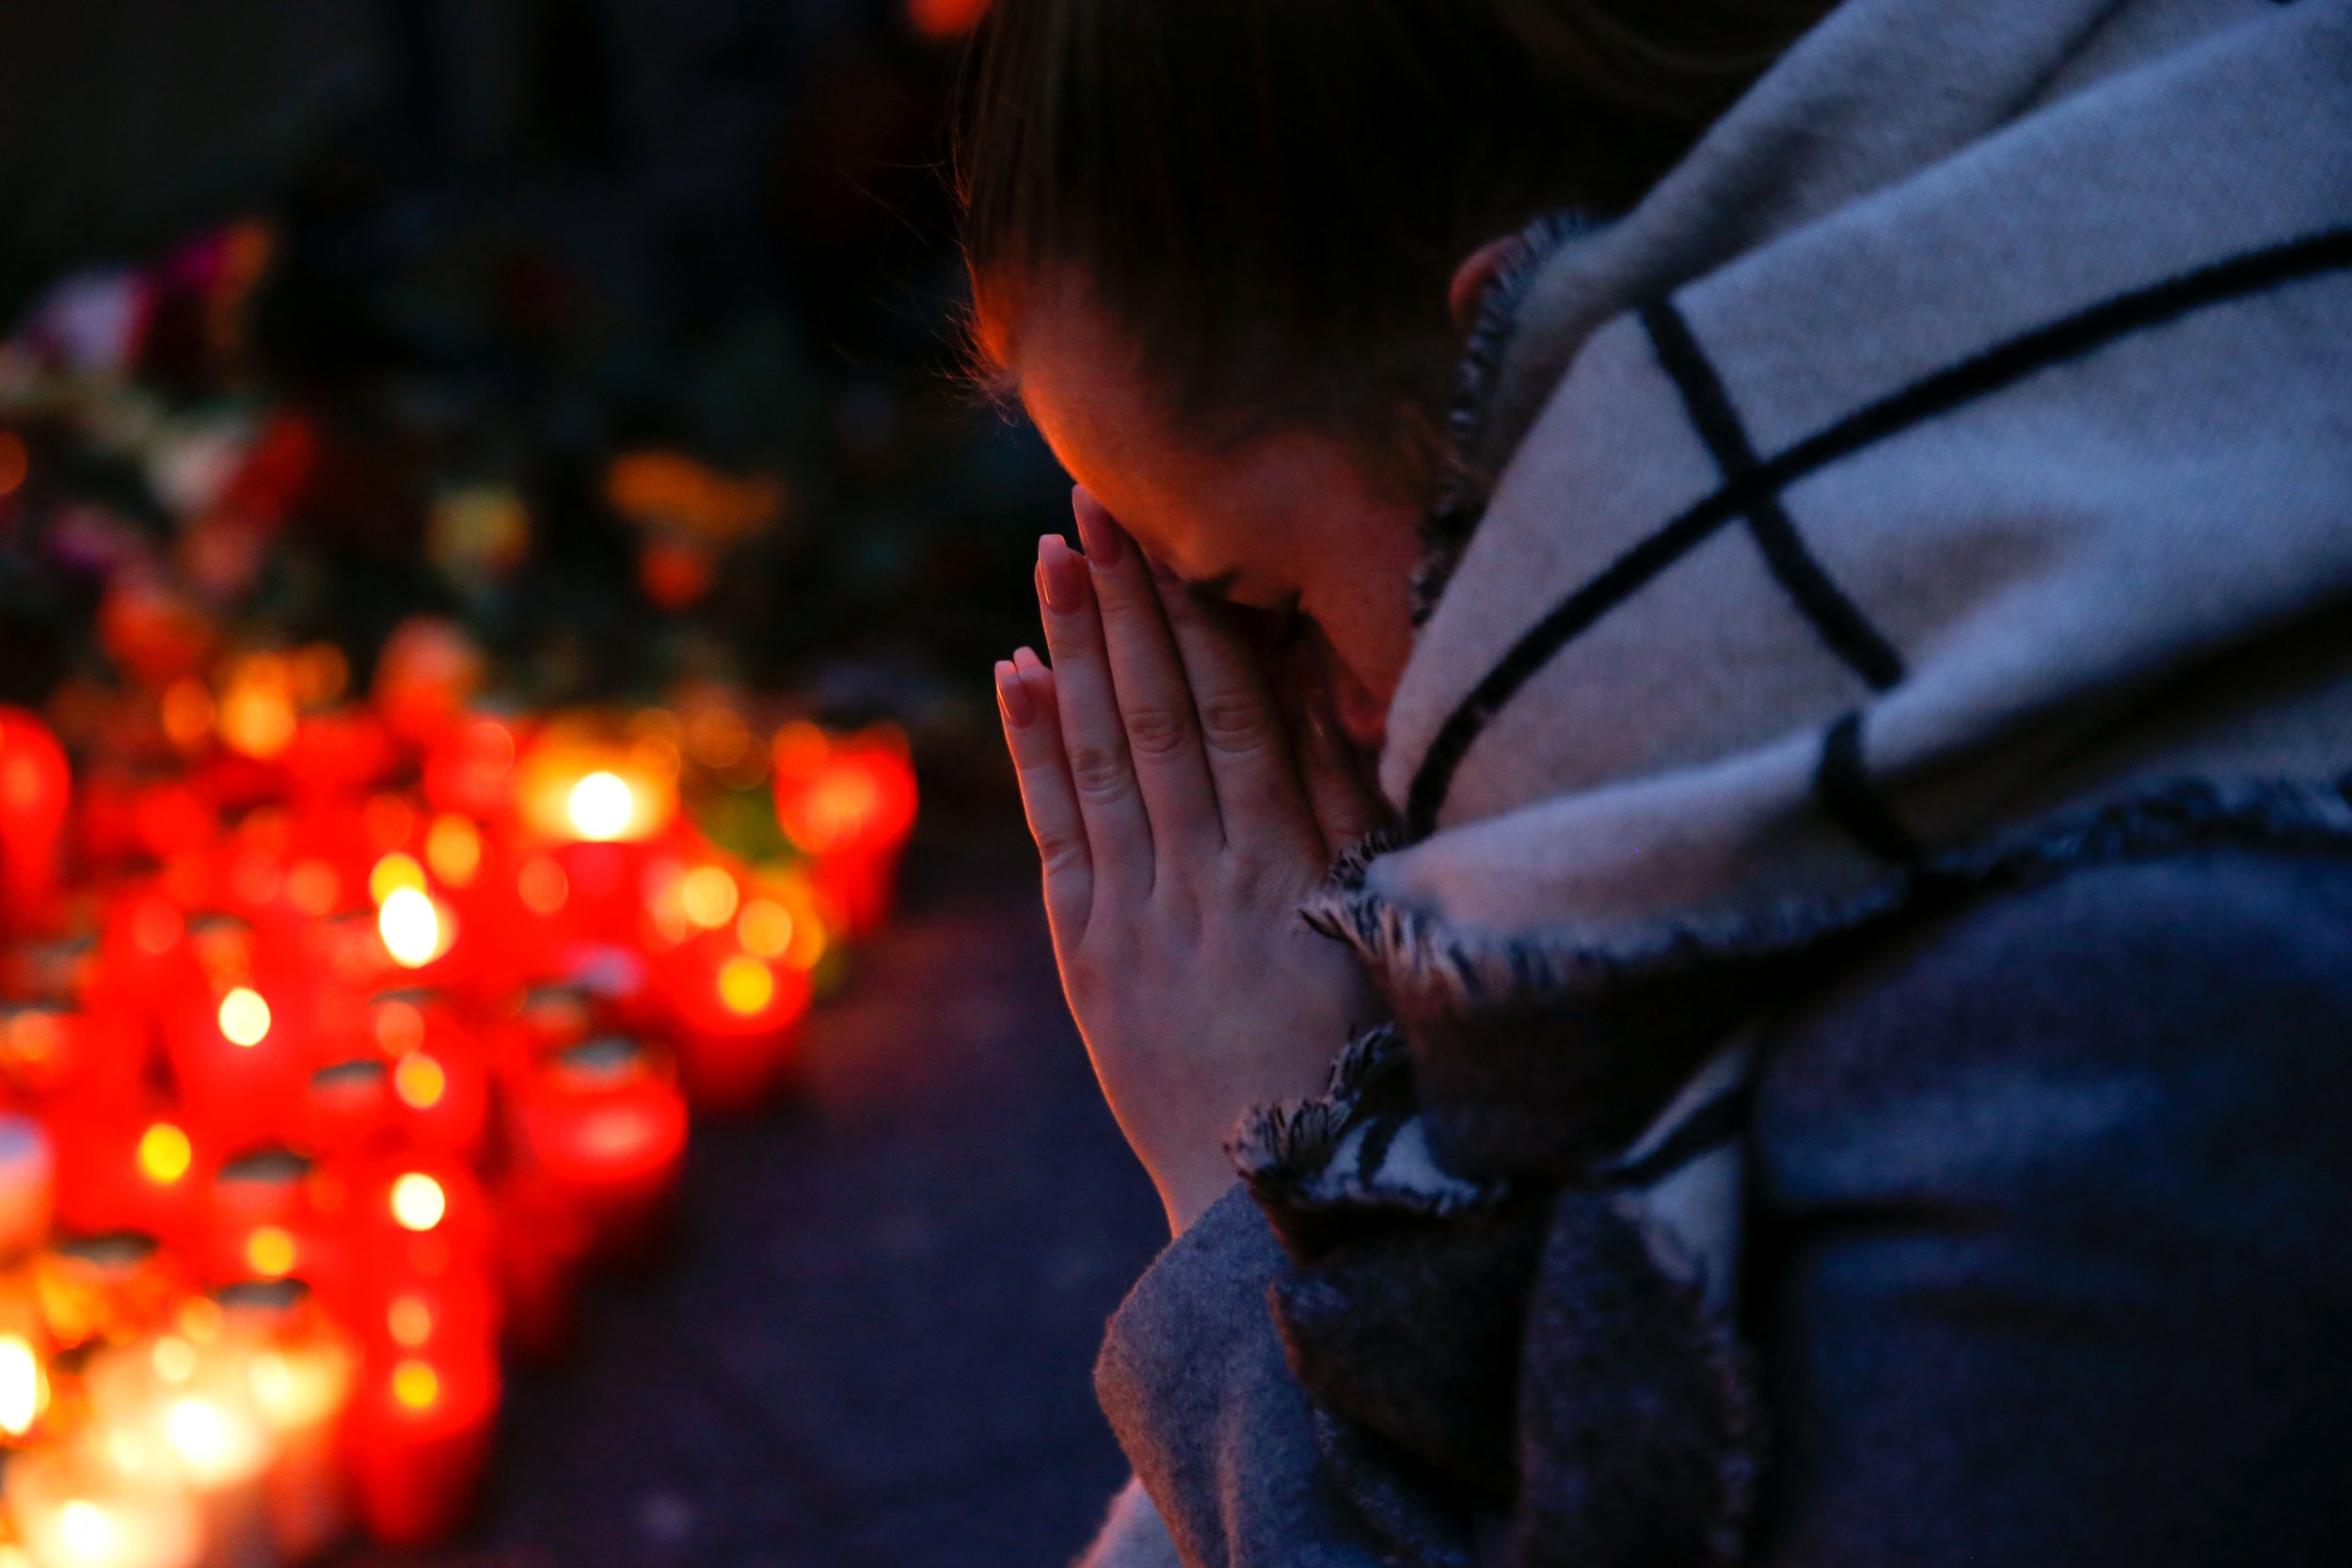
(509, 239)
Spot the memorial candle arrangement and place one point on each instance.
(337, 1052)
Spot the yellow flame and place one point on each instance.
(257, 712)
(746, 986)
(416, 1385)
(89, 1533)
(709, 896)
(244, 1017)
(215, 1444)
(452, 846)
(270, 1252)
(411, 927)
(392, 872)
(23, 1386)
(417, 1202)
(419, 1081)
(164, 1154)
(601, 806)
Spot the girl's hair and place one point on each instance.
(1269, 196)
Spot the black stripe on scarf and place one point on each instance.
(1993, 370)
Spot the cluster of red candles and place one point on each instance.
(330, 1060)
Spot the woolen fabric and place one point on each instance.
(1926, 519)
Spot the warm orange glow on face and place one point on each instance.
(601, 806)
(746, 984)
(244, 1017)
(411, 927)
(392, 872)
(416, 1385)
(409, 1321)
(164, 1154)
(270, 1252)
(23, 1386)
(419, 1081)
(452, 846)
(417, 1202)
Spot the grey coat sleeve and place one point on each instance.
(1221, 1435)
(2054, 1264)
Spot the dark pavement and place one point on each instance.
(874, 1347)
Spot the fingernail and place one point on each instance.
(1012, 698)
(1061, 576)
(1096, 531)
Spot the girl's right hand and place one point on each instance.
(1181, 829)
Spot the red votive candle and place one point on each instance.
(421, 1427)
(733, 1018)
(603, 1126)
(36, 790)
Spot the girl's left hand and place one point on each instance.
(1180, 828)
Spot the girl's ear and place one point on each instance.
(1468, 288)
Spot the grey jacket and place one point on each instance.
(1865, 939)
(2049, 1259)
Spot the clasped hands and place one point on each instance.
(1181, 815)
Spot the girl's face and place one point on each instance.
(1292, 521)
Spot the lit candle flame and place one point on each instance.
(420, 1081)
(165, 1153)
(244, 1017)
(411, 927)
(416, 1385)
(417, 1202)
(601, 806)
(89, 1533)
(23, 1386)
(746, 986)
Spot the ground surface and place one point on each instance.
(873, 1349)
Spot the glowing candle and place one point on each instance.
(300, 1374)
(421, 1430)
(35, 788)
(74, 1509)
(132, 1169)
(189, 1400)
(348, 1109)
(603, 1125)
(109, 1289)
(733, 1015)
(851, 805)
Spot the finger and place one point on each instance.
(1155, 701)
(1259, 798)
(1094, 743)
(1346, 807)
(1025, 699)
